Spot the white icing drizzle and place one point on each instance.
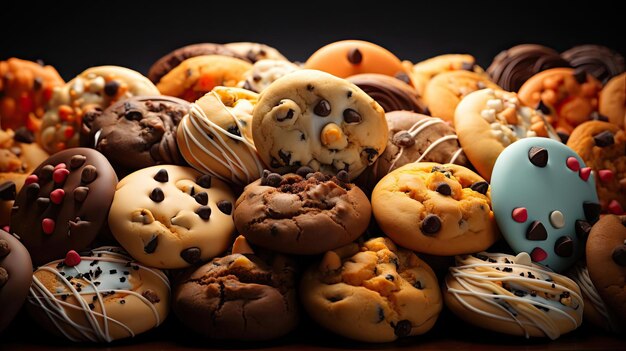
(417, 128)
(481, 280)
(57, 309)
(580, 275)
(227, 156)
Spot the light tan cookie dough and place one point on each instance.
(311, 118)
(613, 100)
(435, 209)
(376, 292)
(172, 216)
(422, 72)
(265, 72)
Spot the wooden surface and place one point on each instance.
(449, 333)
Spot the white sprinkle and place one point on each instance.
(495, 104)
(489, 115)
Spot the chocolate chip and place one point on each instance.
(133, 115)
(619, 255)
(225, 206)
(343, 176)
(431, 224)
(274, 163)
(390, 277)
(480, 187)
(582, 229)
(354, 56)
(322, 108)
(202, 198)
(161, 176)
(564, 246)
(371, 154)
(204, 181)
(403, 328)
(80, 193)
(88, 174)
(7, 191)
(543, 108)
(23, 135)
(604, 139)
(403, 139)
(563, 136)
(304, 170)
(234, 130)
(580, 76)
(32, 191)
(401, 76)
(111, 88)
(157, 195)
(76, 161)
(288, 115)
(191, 255)
(310, 87)
(37, 83)
(151, 296)
(285, 156)
(151, 245)
(444, 189)
(468, 66)
(274, 179)
(592, 211)
(4, 277)
(349, 94)
(204, 212)
(5, 249)
(351, 116)
(42, 203)
(381, 314)
(418, 285)
(45, 173)
(536, 231)
(538, 156)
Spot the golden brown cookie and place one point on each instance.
(444, 92)
(435, 209)
(374, 292)
(613, 100)
(601, 145)
(422, 72)
(253, 52)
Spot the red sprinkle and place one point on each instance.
(69, 132)
(57, 195)
(572, 163)
(615, 208)
(26, 103)
(47, 224)
(585, 173)
(60, 165)
(72, 258)
(520, 214)
(31, 179)
(538, 254)
(6, 228)
(59, 175)
(605, 175)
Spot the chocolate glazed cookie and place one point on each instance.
(597, 60)
(391, 93)
(305, 213)
(64, 203)
(15, 277)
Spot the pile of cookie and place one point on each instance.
(239, 190)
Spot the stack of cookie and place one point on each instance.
(239, 190)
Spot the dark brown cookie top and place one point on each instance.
(15, 277)
(597, 60)
(64, 203)
(136, 133)
(391, 93)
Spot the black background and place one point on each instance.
(135, 34)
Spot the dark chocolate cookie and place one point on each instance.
(391, 93)
(597, 60)
(15, 277)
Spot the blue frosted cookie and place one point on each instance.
(544, 200)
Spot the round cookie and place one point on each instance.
(487, 121)
(241, 296)
(435, 209)
(216, 137)
(606, 262)
(601, 146)
(253, 52)
(422, 72)
(96, 87)
(311, 118)
(196, 76)
(306, 213)
(544, 199)
(377, 292)
(391, 93)
(64, 203)
(98, 296)
(16, 272)
(567, 97)
(172, 216)
(265, 72)
(136, 133)
(512, 67)
(350, 57)
(25, 89)
(170, 61)
(19, 156)
(597, 60)
(445, 91)
(613, 100)
(511, 295)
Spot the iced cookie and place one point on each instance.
(306, 213)
(311, 118)
(216, 136)
(488, 120)
(566, 96)
(422, 72)
(601, 146)
(241, 296)
(16, 273)
(97, 87)
(172, 216)
(98, 296)
(511, 295)
(445, 91)
(196, 76)
(64, 203)
(435, 209)
(376, 292)
(253, 52)
(265, 72)
(597, 60)
(613, 100)
(391, 93)
(136, 133)
(544, 198)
